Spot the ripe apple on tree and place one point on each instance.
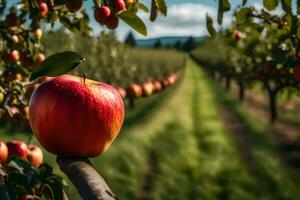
(122, 92)
(3, 152)
(43, 7)
(71, 116)
(18, 148)
(134, 91)
(102, 14)
(73, 5)
(35, 155)
(157, 87)
(147, 89)
(14, 55)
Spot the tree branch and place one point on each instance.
(86, 179)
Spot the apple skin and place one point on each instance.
(120, 5)
(122, 92)
(14, 55)
(38, 33)
(40, 58)
(134, 91)
(296, 73)
(16, 147)
(165, 83)
(102, 14)
(35, 155)
(73, 5)
(3, 152)
(112, 22)
(12, 20)
(43, 9)
(147, 89)
(71, 117)
(157, 87)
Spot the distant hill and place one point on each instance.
(165, 40)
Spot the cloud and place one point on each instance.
(183, 19)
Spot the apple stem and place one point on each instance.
(84, 77)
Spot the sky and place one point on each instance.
(185, 18)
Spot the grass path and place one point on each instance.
(174, 146)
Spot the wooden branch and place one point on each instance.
(86, 179)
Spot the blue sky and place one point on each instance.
(185, 18)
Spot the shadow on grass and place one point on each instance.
(273, 177)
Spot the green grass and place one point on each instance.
(174, 146)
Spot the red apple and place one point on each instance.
(40, 58)
(296, 73)
(73, 5)
(75, 117)
(157, 86)
(165, 83)
(35, 155)
(16, 147)
(15, 111)
(122, 92)
(147, 89)
(102, 14)
(43, 7)
(3, 152)
(112, 22)
(14, 55)
(38, 33)
(120, 5)
(12, 20)
(172, 79)
(237, 35)
(134, 91)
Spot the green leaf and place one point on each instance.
(286, 5)
(224, 6)
(209, 25)
(57, 64)
(270, 4)
(133, 21)
(142, 7)
(162, 6)
(241, 15)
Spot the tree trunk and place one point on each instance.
(86, 179)
(241, 91)
(131, 103)
(227, 83)
(273, 106)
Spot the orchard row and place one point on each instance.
(259, 47)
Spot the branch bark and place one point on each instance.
(86, 179)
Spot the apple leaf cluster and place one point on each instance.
(260, 46)
(19, 179)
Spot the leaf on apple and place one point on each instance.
(133, 21)
(57, 64)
